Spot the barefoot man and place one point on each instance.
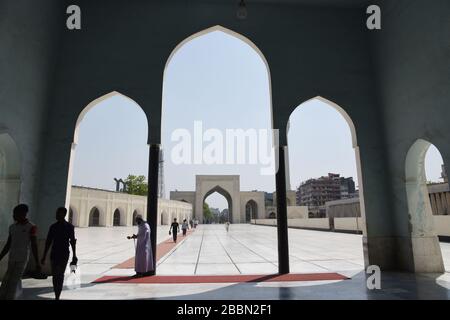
(144, 257)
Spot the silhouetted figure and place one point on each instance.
(184, 227)
(174, 229)
(143, 261)
(227, 225)
(22, 237)
(60, 235)
(191, 223)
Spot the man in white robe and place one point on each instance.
(144, 256)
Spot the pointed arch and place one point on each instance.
(425, 243)
(251, 210)
(339, 109)
(119, 217)
(96, 217)
(94, 103)
(355, 146)
(80, 118)
(234, 34)
(226, 195)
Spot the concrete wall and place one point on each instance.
(291, 198)
(258, 197)
(83, 200)
(343, 208)
(319, 224)
(411, 55)
(442, 224)
(28, 40)
(29, 37)
(297, 212)
(348, 224)
(174, 209)
(188, 196)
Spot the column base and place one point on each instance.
(427, 255)
(404, 254)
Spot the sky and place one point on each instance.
(222, 82)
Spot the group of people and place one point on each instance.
(175, 228)
(193, 223)
(22, 239)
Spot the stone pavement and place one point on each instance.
(246, 249)
(249, 249)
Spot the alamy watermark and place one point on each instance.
(73, 21)
(225, 147)
(374, 278)
(374, 20)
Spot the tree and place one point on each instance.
(207, 214)
(136, 185)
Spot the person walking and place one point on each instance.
(60, 235)
(184, 227)
(191, 223)
(22, 237)
(143, 262)
(174, 229)
(227, 225)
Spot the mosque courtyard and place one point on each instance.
(244, 250)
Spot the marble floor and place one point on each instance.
(245, 249)
(250, 249)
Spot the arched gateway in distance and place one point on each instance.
(229, 187)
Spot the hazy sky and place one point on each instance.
(221, 81)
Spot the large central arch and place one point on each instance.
(234, 34)
(227, 186)
(226, 195)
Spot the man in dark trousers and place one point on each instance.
(174, 229)
(60, 235)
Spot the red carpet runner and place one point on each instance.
(224, 278)
(166, 246)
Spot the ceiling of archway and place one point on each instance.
(316, 3)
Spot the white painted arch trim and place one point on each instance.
(230, 33)
(95, 102)
(339, 109)
(80, 118)
(354, 138)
